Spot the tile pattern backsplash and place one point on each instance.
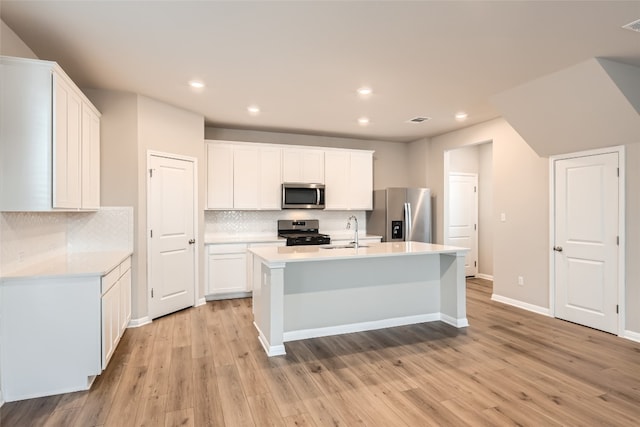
(265, 223)
(29, 238)
(110, 229)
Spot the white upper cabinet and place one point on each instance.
(303, 165)
(243, 176)
(49, 140)
(219, 176)
(249, 176)
(90, 158)
(349, 179)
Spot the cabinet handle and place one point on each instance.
(192, 241)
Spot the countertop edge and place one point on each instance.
(87, 264)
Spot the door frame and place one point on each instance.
(196, 274)
(621, 228)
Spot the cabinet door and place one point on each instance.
(361, 181)
(219, 176)
(270, 179)
(227, 273)
(246, 163)
(125, 300)
(300, 165)
(337, 175)
(66, 146)
(110, 323)
(90, 159)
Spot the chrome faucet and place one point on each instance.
(355, 238)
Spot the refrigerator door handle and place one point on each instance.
(407, 221)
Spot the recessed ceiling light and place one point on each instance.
(196, 84)
(461, 115)
(363, 121)
(365, 91)
(253, 109)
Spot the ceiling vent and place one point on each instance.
(418, 119)
(633, 26)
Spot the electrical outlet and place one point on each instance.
(520, 280)
(503, 217)
(20, 256)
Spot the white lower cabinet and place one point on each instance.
(58, 332)
(116, 308)
(228, 269)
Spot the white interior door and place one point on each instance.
(171, 235)
(462, 227)
(586, 235)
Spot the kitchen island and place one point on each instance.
(303, 292)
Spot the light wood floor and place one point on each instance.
(204, 366)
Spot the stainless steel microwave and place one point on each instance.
(302, 196)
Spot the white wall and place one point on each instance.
(390, 161)
(162, 127)
(485, 209)
(520, 190)
(131, 125)
(12, 45)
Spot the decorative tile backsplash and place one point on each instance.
(29, 238)
(265, 223)
(109, 229)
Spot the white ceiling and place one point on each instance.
(302, 62)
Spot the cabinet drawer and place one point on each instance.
(228, 249)
(110, 279)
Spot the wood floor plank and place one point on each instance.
(235, 407)
(264, 410)
(127, 401)
(205, 367)
(151, 411)
(180, 418)
(180, 390)
(207, 401)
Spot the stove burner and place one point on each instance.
(302, 232)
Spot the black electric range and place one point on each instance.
(302, 232)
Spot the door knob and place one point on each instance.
(192, 241)
(557, 248)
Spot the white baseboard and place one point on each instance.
(136, 323)
(458, 323)
(1, 399)
(520, 304)
(302, 334)
(232, 295)
(484, 276)
(201, 301)
(271, 350)
(630, 335)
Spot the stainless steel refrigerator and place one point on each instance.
(401, 214)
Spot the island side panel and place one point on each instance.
(339, 296)
(453, 289)
(268, 283)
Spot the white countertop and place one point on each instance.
(261, 238)
(77, 264)
(279, 255)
